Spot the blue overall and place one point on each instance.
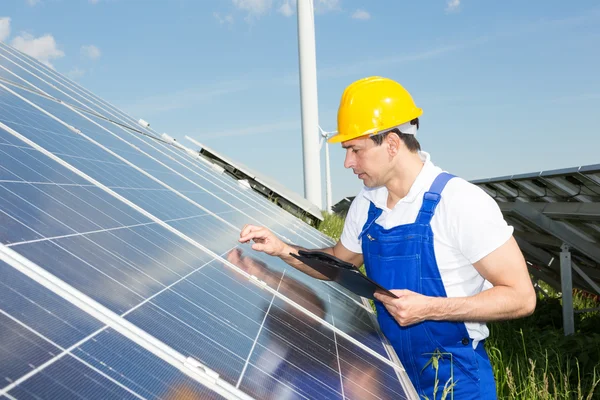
(402, 257)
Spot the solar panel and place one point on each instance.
(116, 233)
(553, 211)
(53, 349)
(46, 81)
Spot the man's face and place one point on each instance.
(367, 160)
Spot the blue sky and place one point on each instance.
(506, 86)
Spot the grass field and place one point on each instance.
(531, 357)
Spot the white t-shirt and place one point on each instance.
(467, 225)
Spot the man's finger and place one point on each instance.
(400, 292)
(247, 229)
(385, 299)
(254, 233)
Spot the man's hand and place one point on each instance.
(409, 308)
(264, 240)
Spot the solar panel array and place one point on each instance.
(554, 211)
(121, 275)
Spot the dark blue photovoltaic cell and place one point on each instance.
(302, 356)
(199, 318)
(151, 147)
(36, 325)
(51, 197)
(87, 278)
(365, 377)
(33, 323)
(7, 75)
(138, 369)
(356, 322)
(27, 165)
(68, 379)
(338, 309)
(308, 366)
(119, 278)
(21, 350)
(42, 310)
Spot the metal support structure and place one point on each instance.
(586, 277)
(572, 210)
(533, 216)
(586, 310)
(309, 102)
(567, 290)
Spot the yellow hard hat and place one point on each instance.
(372, 105)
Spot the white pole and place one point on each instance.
(309, 102)
(328, 178)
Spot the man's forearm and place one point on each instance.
(497, 303)
(300, 265)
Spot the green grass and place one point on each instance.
(332, 225)
(531, 357)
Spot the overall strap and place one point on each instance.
(374, 213)
(432, 197)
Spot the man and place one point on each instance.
(439, 242)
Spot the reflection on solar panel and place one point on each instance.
(556, 215)
(122, 277)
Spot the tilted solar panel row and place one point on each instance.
(122, 275)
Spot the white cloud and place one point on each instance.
(258, 8)
(4, 28)
(94, 1)
(361, 14)
(91, 52)
(32, 2)
(76, 73)
(452, 5)
(225, 19)
(255, 8)
(42, 48)
(323, 6)
(287, 8)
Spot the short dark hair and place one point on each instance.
(411, 142)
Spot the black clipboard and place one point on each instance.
(342, 272)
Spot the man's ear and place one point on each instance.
(393, 142)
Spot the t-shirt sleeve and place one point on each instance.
(353, 226)
(477, 226)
